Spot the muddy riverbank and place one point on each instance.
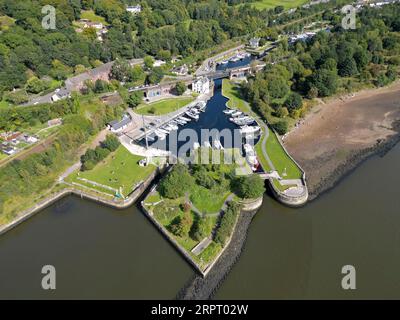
(337, 136)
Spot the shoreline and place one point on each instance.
(197, 288)
(71, 191)
(337, 136)
(352, 163)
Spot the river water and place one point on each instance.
(99, 252)
(102, 253)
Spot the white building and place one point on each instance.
(254, 43)
(134, 9)
(60, 95)
(116, 126)
(201, 85)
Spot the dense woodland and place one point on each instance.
(331, 62)
(31, 57)
(164, 28)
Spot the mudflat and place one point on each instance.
(343, 131)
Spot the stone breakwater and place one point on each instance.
(202, 288)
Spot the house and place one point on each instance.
(158, 63)
(254, 43)
(60, 95)
(9, 150)
(116, 126)
(201, 85)
(10, 136)
(181, 71)
(134, 9)
(54, 122)
(95, 25)
(29, 139)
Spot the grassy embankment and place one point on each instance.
(269, 4)
(283, 164)
(41, 186)
(119, 170)
(163, 106)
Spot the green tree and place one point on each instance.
(134, 99)
(294, 101)
(281, 127)
(180, 88)
(176, 183)
(250, 187)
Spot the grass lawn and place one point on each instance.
(207, 200)
(163, 106)
(231, 91)
(280, 159)
(90, 15)
(287, 4)
(120, 169)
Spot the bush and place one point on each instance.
(176, 183)
(111, 143)
(227, 223)
(294, 101)
(281, 127)
(181, 225)
(180, 88)
(198, 231)
(250, 187)
(17, 97)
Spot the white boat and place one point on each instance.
(167, 128)
(202, 106)
(217, 144)
(207, 144)
(251, 156)
(235, 59)
(173, 126)
(195, 111)
(163, 130)
(237, 113)
(160, 134)
(224, 62)
(185, 119)
(229, 111)
(192, 115)
(249, 129)
(196, 145)
(181, 122)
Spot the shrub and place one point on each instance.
(281, 127)
(111, 143)
(250, 187)
(176, 182)
(227, 223)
